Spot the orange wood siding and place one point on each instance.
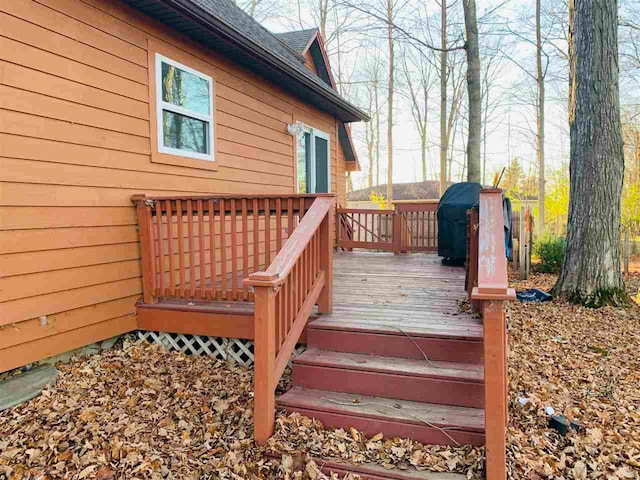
(75, 144)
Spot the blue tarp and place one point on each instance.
(533, 295)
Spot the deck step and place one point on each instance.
(439, 341)
(447, 383)
(373, 471)
(425, 422)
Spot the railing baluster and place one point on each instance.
(181, 253)
(202, 251)
(302, 207)
(289, 216)
(172, 273)
(245, 248)
(278, 224)
(192, 262)
(160, 290)
(223, 249)
(212, 248)
(234, 251)
(282, 333)
(267, 231)
(256, 235)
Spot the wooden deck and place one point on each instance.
(397, 355)
(382, 292)
(389, 349)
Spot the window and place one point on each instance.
(184, 106)
(312, 160)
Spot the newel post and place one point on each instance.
(264, 350)
(492, 291)
(325, 299)
(496, 388)
(147, 253)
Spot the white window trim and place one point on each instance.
(320, 134)
(162, 105)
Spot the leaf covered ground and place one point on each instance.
(139, 411)
(585, 364)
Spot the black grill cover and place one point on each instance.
(452, 219)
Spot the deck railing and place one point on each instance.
(285, 293)
(409, 227)
(365, 228)
(487, 282)
(417, 226)
(202, 247)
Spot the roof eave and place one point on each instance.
(344, 110)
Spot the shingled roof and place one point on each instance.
(427, 190)
(226, 28)
(298, 40)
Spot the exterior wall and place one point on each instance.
(75, 144)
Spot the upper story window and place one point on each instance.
(184, 105)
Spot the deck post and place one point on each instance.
(396, 231)
(472, 268)
(264, 363)
(325, 300)
(496, 388)
(145, 230)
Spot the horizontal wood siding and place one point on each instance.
(75, 144)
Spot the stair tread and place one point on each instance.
(402, 411)
(436, 330)
(372, 470)
(393, 365)
(376, 471)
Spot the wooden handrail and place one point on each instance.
(285, 294)
(365, 210)
(491, 292)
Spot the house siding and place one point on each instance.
(75, 144)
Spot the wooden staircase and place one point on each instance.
(399, 359)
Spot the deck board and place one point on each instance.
(413, 294)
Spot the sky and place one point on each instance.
(511, 124)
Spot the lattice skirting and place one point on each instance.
(234, 349)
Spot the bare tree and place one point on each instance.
(590, 272)
(444, 139)
(540, 117)
(418, 78)
(473, 91)
(547, 34)
(492, 95)
(390, 103)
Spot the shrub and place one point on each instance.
(549, 250)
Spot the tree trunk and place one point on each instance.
(484, 135)
(444, 140)
(377, 133)
(390, 105)
(473, 91)
(540, 121)
(591, 269)
(370, 140)
(423, 142)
